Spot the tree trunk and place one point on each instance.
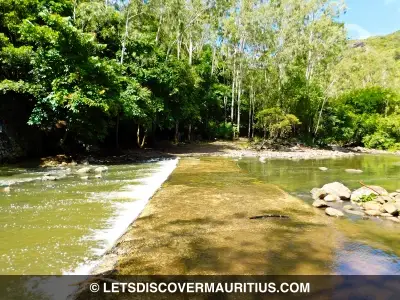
(159, 28)
(238, 106)
(250, 100)
(233, 92)
(190, 133)
(124, 38)
(144, 138)
(176, 132)
(225, 103)
(138, 135)
(190, 50)
(117, 133)
(252, 118)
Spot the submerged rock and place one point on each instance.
(333, 212)
(354, 171)
(323, 168)
(372, 212)
(355, 212)
(366, 191)
(394, 219)
(6, 189)
(320, 203)
(338, 189)
(348, 207)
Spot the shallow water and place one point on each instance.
(63, 226)
(366, 246)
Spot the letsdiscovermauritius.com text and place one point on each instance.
(200, 287)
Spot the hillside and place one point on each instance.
(371, 62)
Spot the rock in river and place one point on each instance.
(348, 207)
(331, 198)
(355, 212)
(372, 206)
(100, 169)
(320, 203)
(373, 213)
(323, 168)
(390, 208)
(338, 189)
(318, 193)
(83, 170)
(366, 191)
(354, 171)
(333, 212)
(397, 220)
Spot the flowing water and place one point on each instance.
(63, 226)
(367, 246)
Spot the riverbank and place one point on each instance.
(239, 148)
(199, 223)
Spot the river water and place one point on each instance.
(367, 247)
(64, 226)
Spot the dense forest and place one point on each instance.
(78, 74)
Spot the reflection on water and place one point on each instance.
(51, 227)
(369, 246)
(360, 259)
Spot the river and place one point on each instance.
(64, 226)
(367, 247)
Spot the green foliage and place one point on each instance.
(220, 131)
(363, 117)
(367, 198)
(165, 66)
(276, 122)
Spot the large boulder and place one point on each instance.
(333, 212)
(366, 191)
(338, 189)
(320, 203)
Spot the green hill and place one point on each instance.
(371, 62)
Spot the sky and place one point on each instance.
(365, 18)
